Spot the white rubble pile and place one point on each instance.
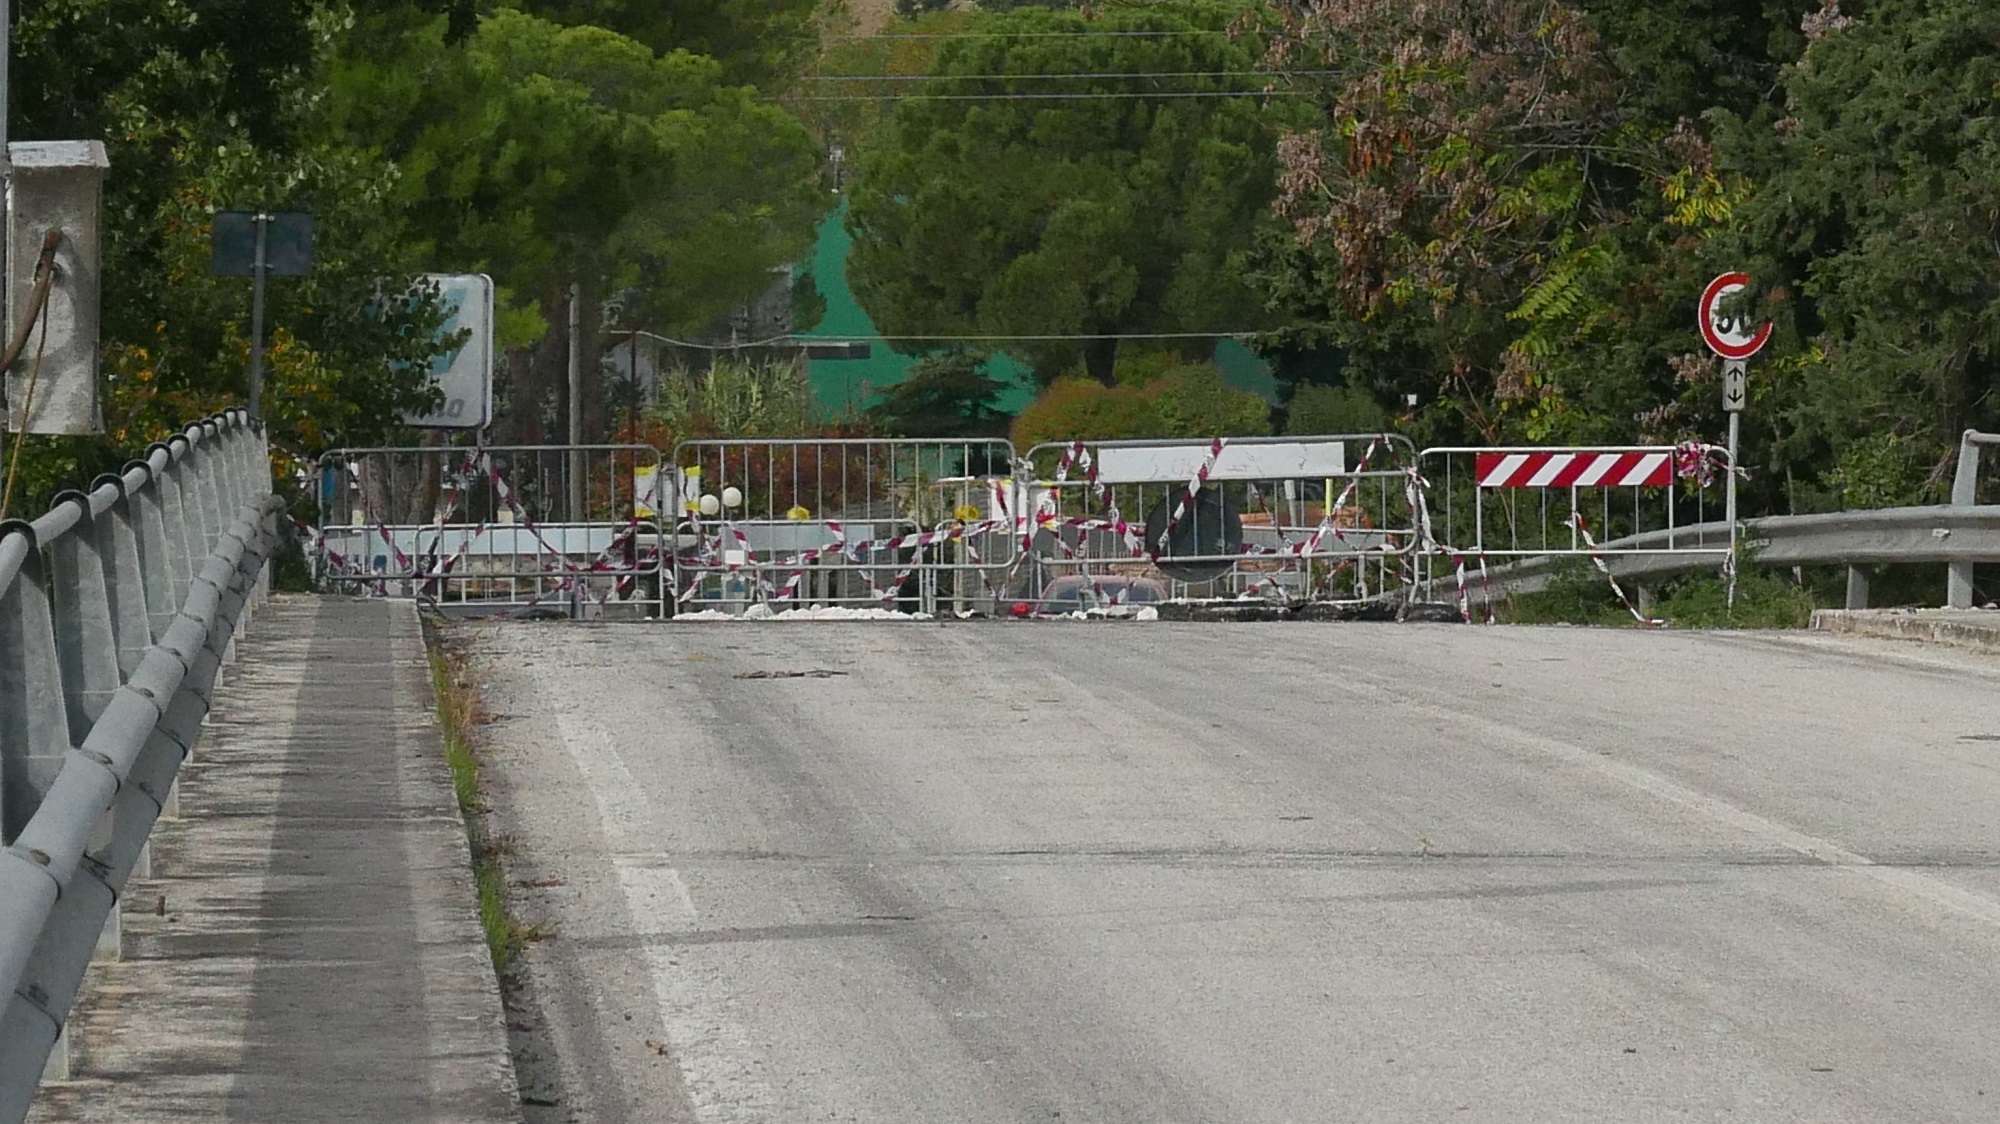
(763, 612)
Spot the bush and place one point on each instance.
(1334, 410)
(736, 398)
(1763, 600)
(1154, 397)
(1578, 594)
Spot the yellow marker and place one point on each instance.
(967, 513)
(798, 512)
(691, 488)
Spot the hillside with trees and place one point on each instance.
(1502, 210)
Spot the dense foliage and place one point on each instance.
(1002, 201)
(609, 145)
(1507, 208)
(1500, 209)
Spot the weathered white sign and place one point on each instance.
(464, 374)
(1279, 460)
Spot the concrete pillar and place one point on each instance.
(57, 187)
(111, 940)
(57, 1067)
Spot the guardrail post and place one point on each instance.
(1857, 587)
(1965, 493)
(34, 721)
(201, 468)
(124, 579)
(177, 520)
(149, 526)
(233, 442)
(57, 1067)
(86, 641)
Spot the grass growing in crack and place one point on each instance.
(458, 715)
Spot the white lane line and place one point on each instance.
(622, 810)
(721, 1068)
(700, 1021)
(656, 898)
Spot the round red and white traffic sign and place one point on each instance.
(1729, 334)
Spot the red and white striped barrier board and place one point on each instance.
(1575, 470)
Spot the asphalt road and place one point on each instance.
(1232, 874)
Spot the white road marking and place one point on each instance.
(622, 811)
(702, 1025)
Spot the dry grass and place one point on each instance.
(871, 16)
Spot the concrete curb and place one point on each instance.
(1971, 629)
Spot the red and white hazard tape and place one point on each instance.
(1187, 497)
(1582, 527)
(843, 549)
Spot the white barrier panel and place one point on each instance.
(1278, 460)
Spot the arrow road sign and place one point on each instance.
(1734, 393)
(1729, 334)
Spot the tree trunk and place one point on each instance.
(590, 329)
(1100, 359)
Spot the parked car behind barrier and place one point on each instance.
(1076, 593)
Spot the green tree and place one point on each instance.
(757, 42)
(207, 105)
(1872, 230)
(735, 398)
(1683, 58)
(1155, 396)
(1023, 214)
(1483, 216)
(1334, 410)
(943, 396)
(553, 156)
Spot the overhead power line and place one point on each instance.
(1107, 74)
(1046, 96)
(1045, 339)
(857, 38)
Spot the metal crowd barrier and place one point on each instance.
(1300, 516)
(1524, 502)
(842, 522)
(497, 529)
(954, 525)
(117, 608)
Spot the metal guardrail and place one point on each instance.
(1942, 533)
(117, 608)
(1958, 535)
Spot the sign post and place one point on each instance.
(257, 245)
(1729, 334)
